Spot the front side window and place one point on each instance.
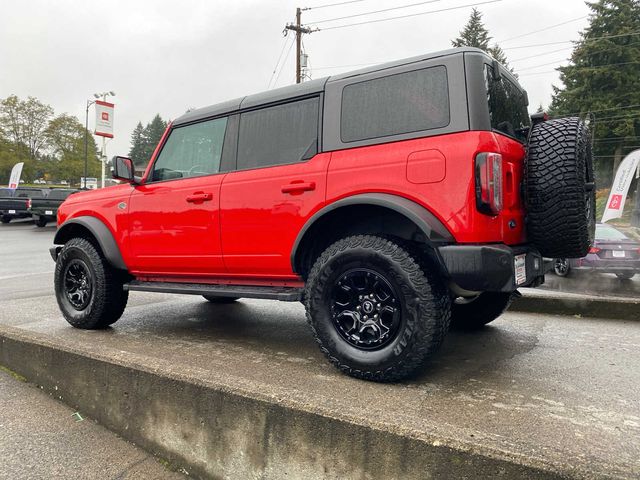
(191, 151)
(507, 106)
(278, 135)
(397, 104)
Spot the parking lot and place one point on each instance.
(559, 393)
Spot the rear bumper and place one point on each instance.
(492, 268)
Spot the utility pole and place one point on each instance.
(299, 29)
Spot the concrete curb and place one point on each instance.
(585, 306)
(215, 431)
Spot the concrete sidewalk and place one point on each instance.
(42, 438)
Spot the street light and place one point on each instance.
(104, 96)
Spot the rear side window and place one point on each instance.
(507, 106)
(191, 151)
(278, 135)
(396, 104)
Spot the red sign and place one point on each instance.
(616, 201)
(105, 116)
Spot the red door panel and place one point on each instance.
(175, 227)
(262, 212)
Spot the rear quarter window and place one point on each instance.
(396, 104)
(507, 106)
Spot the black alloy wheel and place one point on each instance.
(78, 284)
(365, 309)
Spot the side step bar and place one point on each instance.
(285, 294)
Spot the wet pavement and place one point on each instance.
(551, 390)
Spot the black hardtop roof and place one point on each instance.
(305, 88)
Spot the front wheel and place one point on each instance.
(41, 222)
(474, 313)
(88, 290)
(375, 310)
(5, 218)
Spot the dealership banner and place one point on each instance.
(104, 119)
(620, 187)
(14, 179)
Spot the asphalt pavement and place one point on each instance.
(552, 390)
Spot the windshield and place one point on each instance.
(507, 106)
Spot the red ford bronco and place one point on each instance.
(392, 201)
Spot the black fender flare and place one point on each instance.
(434, 230)
(100, 232)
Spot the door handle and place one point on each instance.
(299, 187)
(199, 197)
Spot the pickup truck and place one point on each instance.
(45, 209)
(16, 204)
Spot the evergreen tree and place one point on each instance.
(137, 146)
(475, 34)
(144, 141)
(603, 77)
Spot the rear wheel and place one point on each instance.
(561, 267)
(625, 275)
(214, 299)
(474, 313)
(376, 313)
(88, 290)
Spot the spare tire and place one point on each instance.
(560, 189)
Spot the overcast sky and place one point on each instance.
(162, 56)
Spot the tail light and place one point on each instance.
(489, 183)
(28, 203)
(594, 250)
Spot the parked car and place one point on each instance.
(16, 203)
(45, 209)
(612, 252)
(388, 200)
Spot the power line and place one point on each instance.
(616, 117)
(594, 67)
(284, 45)
(333, 4)
(283, 63)
(374, 12)
(589, 40)
(542, 65)
(542, 29)
(411, 15)
(607, 109)
(541, 54)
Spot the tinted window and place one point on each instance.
(60, 194)
(402, 103)
(278, 135)
(191, 151)
(507, 106)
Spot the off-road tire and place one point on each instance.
(424, 307)
(41, 222)
(560, 188)
(625, 275)
(561, 267)
(475, 313)
(5, 219)
(107, 298)
(221, 300)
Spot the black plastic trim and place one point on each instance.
(102, 235)
(490, 268)
(434, 230)
(285, 294)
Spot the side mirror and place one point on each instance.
(123, 169)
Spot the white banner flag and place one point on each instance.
(620, 187)
(16, 171)
(104, 119)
